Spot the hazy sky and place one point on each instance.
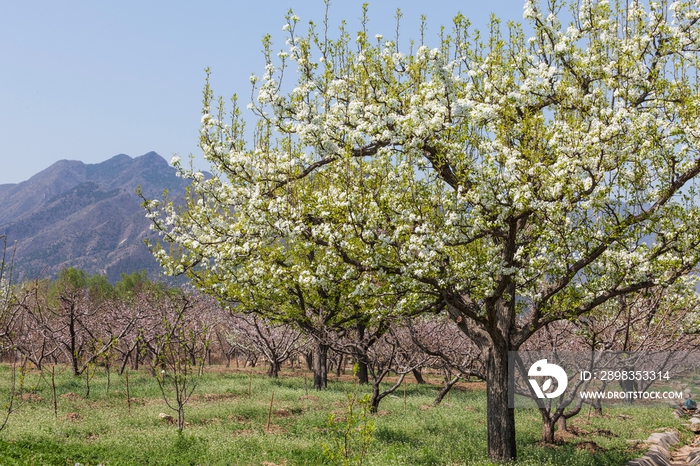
(86, 80)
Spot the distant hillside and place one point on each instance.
(87, 216)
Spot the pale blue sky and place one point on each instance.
(86, 80)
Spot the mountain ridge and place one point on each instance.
(88, 216)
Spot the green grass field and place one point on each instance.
(227, 426)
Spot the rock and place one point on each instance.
(664, 439)
(693, 458)
(167, 418)
(663, 451)
(659, 451)
(695, 424)
(658, 459)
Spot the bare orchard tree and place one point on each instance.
(179, 349)
(136, 295)
(276, 342)
(24, 331)
(392, 352)
(76, 314)
(663, 320)
(563, 341)
(74, 319)
(226, 345)
(356, 342)
(10, 307)
(658, 323)
(452, 353)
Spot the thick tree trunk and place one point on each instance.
(547, 429)
(320, 360)
(561, 424)
(274, 369)
(361, 356)
(500, 418)
(309, 357)
(362, 373)
(418, 375)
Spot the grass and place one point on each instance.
(227, 427)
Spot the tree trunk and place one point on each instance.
(547, 429)
(125, 361)
(418, 375)
(361, 357)
(551, 419)
(561, 423)
(339, 369)
(445, 390)
(377, 397)
(274, 369)
(180, 417)
(87, 383)
(135, 362)
(320, 365)
(73, 344)
(500, 423)
(362, 373)
(598, 408)
(374, 401)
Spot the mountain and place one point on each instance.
(86, 216)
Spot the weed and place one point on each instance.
(352, 433)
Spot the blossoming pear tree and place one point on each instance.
(510, 179)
